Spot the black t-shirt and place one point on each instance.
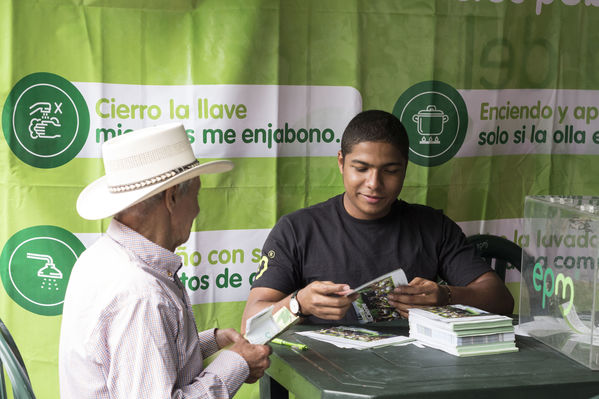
(324, 243)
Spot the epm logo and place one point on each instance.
(45, 120)
(549, 284)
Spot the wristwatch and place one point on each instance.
(294, 305)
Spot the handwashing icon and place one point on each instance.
(37, 126)
(49, 272)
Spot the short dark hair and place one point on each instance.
(378, 126)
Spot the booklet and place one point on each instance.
(467, 337)
(462, 330)
(469, 350)
(264, 325)
(458, 318)
(575, 323)
(355, 337)
(372, 304)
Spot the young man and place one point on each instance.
(128, 329)
(314, 254)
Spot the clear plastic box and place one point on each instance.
(558, 290)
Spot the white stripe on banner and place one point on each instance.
(505, 122)
(226, 120)
(217, 265)
(270, 120)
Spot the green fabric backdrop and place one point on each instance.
(264, 54)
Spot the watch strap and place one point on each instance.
(299, 310)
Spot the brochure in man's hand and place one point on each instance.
(372, 304)
(264, 325)
(355, 337)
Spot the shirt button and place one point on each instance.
(169, 274)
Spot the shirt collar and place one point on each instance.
(156, 257)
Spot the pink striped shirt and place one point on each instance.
(128, 329)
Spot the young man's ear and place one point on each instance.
(340, 161)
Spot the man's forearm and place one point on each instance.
(489, 294)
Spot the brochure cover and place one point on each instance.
(372, 304)
(458, 318)
(264, 326)
(355, 337)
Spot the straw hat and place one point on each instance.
(140, 164)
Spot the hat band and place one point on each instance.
(152, 180)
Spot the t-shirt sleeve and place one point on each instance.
(460, 265)
(279, 267)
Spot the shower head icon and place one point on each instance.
(49, 270)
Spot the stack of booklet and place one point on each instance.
(462, 330)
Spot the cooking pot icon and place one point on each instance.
(430, 122)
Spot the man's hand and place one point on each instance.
(256, 357)
(227, 336)
(419, 292)
(322, 299)
(325, 299)
(486, 292)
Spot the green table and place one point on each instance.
(325, 371)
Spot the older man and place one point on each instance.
(128, 329)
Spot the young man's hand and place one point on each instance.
(487, 292)
(325, 299)
(419, 292)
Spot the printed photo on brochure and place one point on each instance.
(372, 304)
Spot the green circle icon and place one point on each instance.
(436, 119)
(45, 120)
(35, 267)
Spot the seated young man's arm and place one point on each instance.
(487, 292)
(319, 298)
(473, 281)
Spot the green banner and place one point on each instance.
(500, 99)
